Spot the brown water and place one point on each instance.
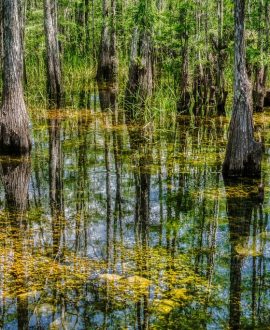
(115, 226)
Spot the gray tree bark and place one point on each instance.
(243, 154)
(54, 85)
(14, 121)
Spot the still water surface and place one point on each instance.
(131, 226)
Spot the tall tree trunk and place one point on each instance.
(198, 68)
(261, 69)
(107, 65)
(243, 154)
(185, 97)
(221, 93)
(54, 84)
(87, 27)
(14, 121)
(140, 79)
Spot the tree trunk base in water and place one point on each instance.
(14, 133)
(250, 168)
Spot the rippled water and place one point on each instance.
(131, 226)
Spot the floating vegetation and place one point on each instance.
(127, 225)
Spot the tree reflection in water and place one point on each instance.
(15, 177)
(130, 226)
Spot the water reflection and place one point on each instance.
(56, 185)
(131, 226)
(15, 176)
(246, 224)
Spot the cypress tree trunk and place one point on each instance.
(107, 65)
(184, 101)
(259, 91)
(221, 94)
(243, 154)
(140, 79)
(54, 87)
(14, 121)
(261, 69)
(185, 97)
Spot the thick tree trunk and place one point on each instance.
(14, 121)
(243, 154)
(107, 65)
(54, 85)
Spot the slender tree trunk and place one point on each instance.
(54, 84)
(14, 121)
(198, 68)
(243, 154)
(261, 69)
(185, 97)
(221, 93)
(1, 35)
(87, 28)
(259, 91)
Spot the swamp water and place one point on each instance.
(114, 226)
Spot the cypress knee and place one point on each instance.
(14, 120)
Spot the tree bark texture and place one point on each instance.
(108, 64)
(261, 69)
(220, 47)
(259, 91)
(140, 79)
(243, 154)
(54, 85)
(14, 121)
